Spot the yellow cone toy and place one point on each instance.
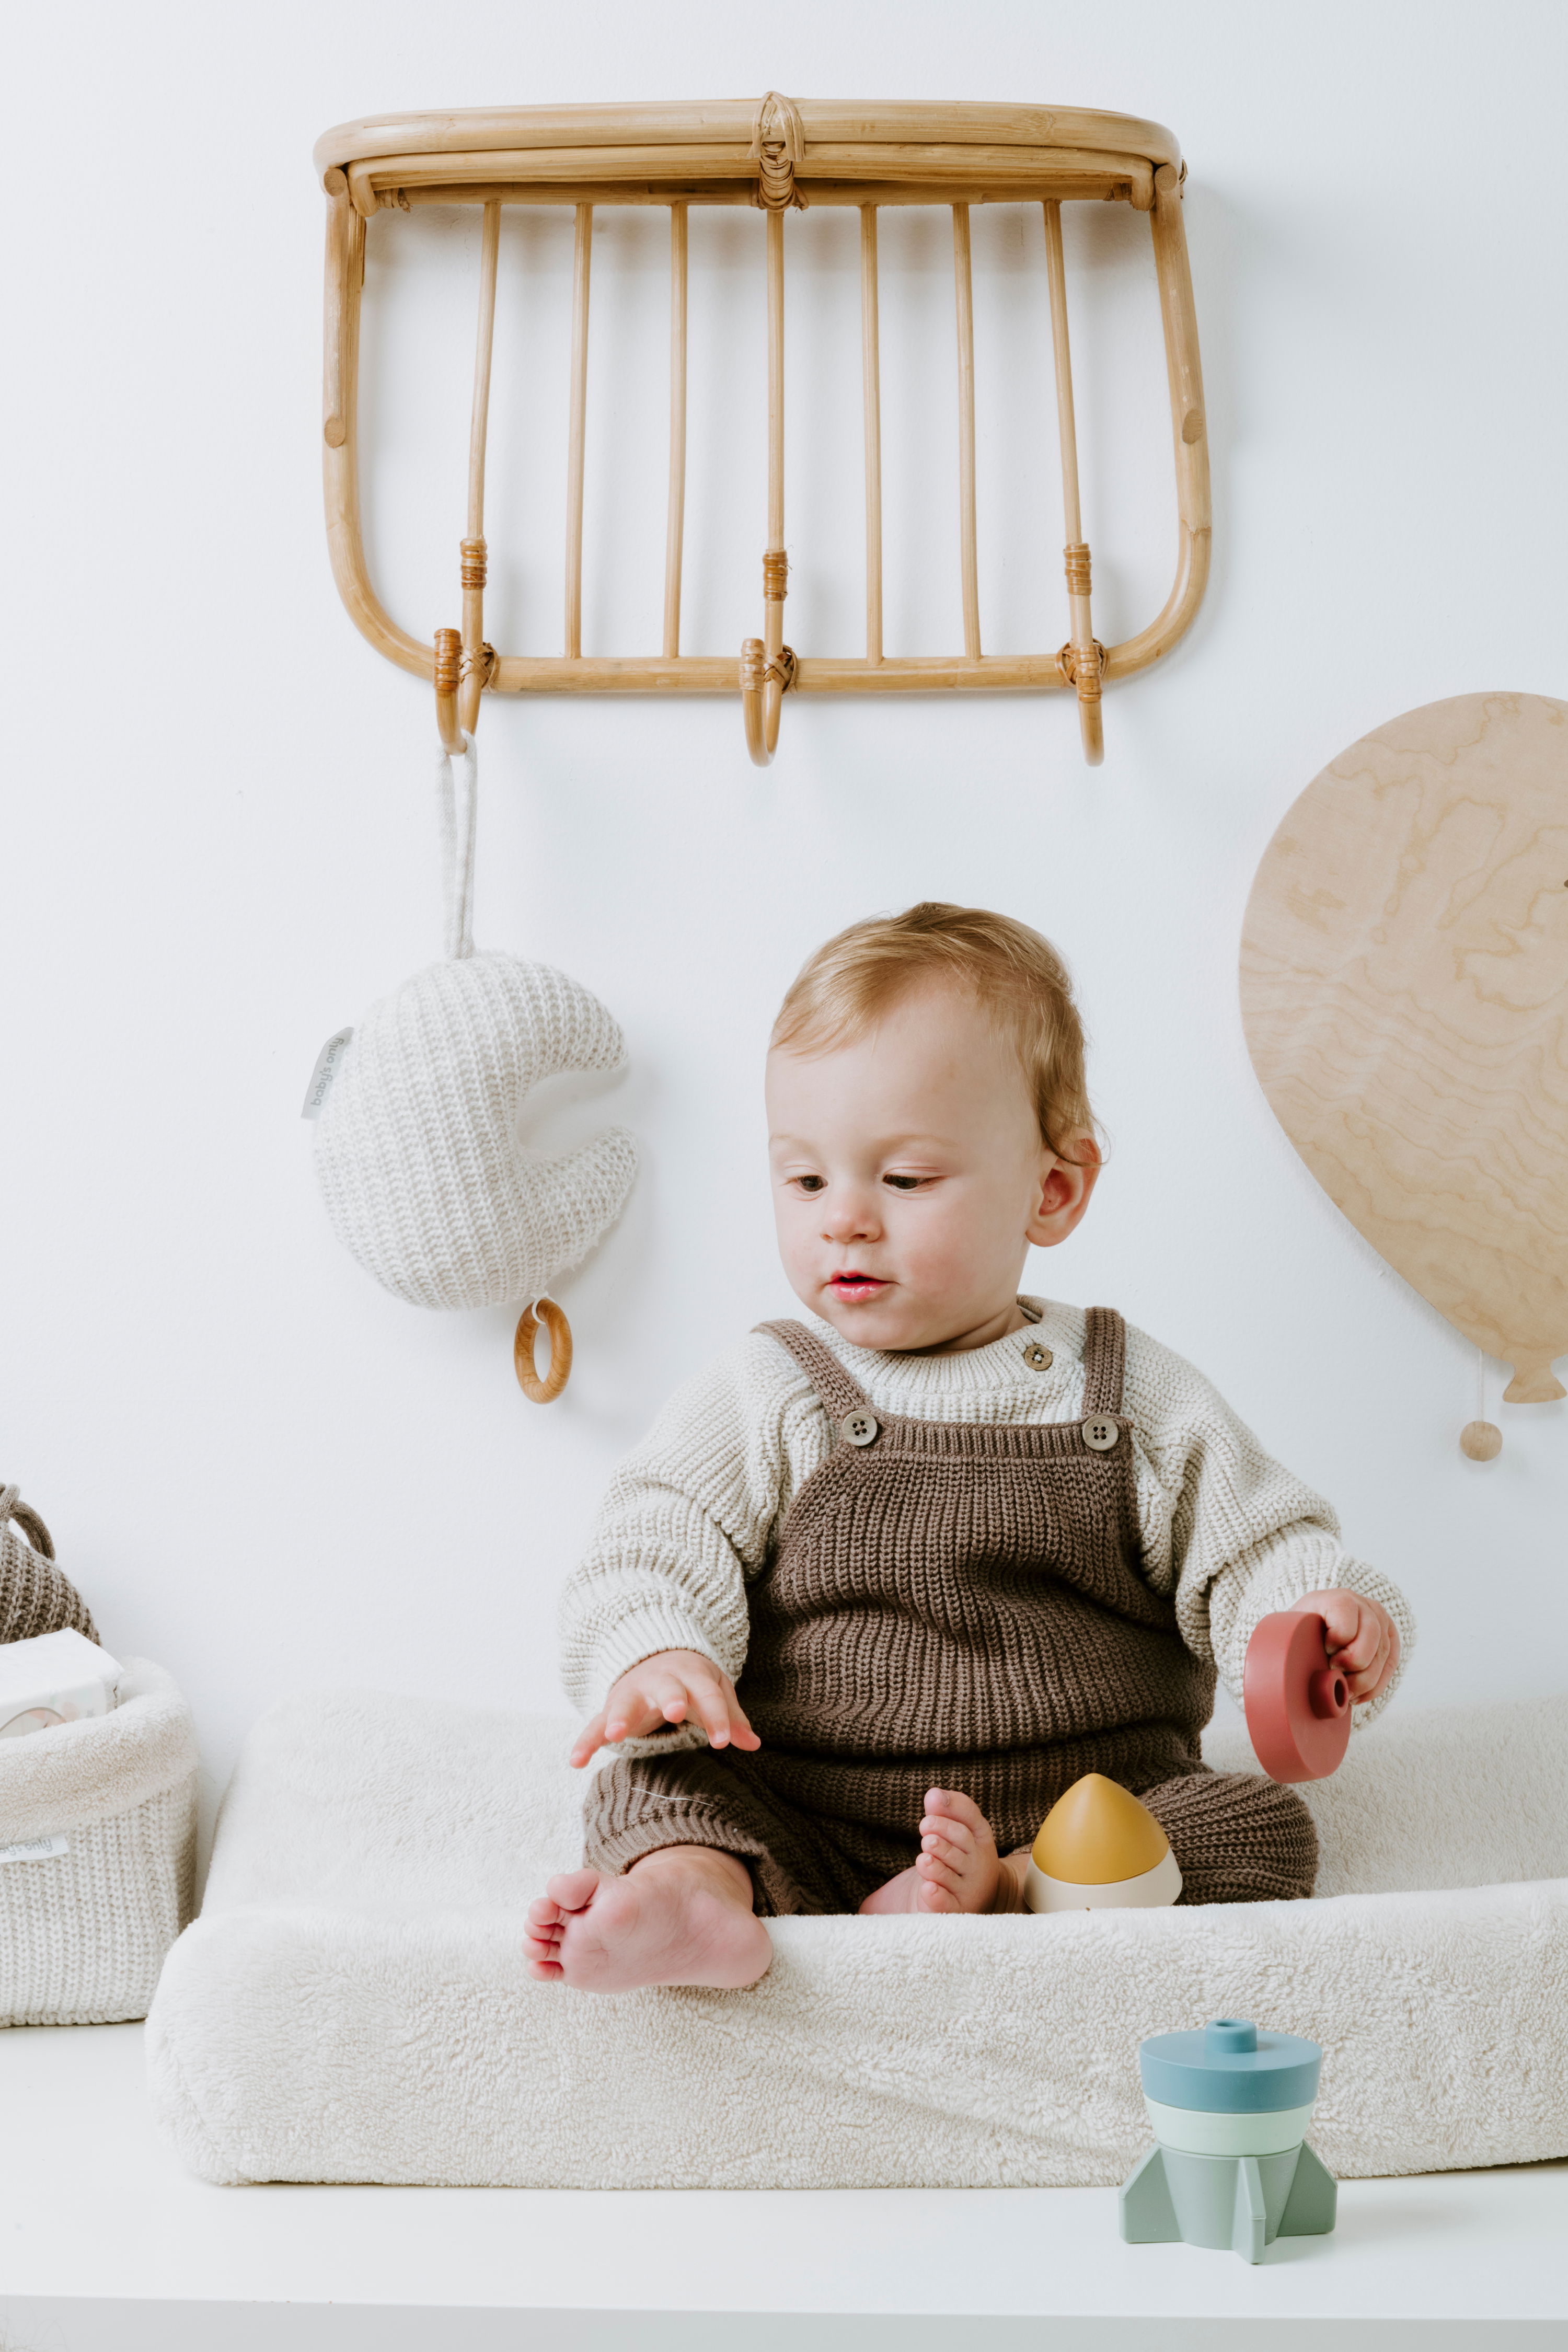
(1099, 1850)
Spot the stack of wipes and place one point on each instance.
(54, 1678)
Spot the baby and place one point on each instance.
(885, 1581)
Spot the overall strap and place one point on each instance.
(840, 1395)
(1104, 1360)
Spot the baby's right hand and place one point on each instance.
(672, 1686)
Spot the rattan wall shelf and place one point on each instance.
(778, 153)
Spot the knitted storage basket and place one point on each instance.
(425, 1177)
(98, 1832)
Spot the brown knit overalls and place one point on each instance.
(955, 1606)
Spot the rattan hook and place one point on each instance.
(449, 680)
(767, 665)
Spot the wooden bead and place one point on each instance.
(1481, 1439)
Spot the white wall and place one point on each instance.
(218, 831)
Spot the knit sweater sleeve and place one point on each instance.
(688, 1518)
(1226, 1529)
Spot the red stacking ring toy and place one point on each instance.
(1298, 1705)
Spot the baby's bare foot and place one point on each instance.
(671, 1920)
(958, 1869)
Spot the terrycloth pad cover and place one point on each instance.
(353, 2002)
(83, 1933)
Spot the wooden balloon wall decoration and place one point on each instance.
(1404, 991)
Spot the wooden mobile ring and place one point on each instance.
(546, 1391)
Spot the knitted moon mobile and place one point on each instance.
(425, 1178)
(1404, 990)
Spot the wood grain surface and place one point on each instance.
(1404, 991)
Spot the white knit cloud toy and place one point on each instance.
(426, 1178)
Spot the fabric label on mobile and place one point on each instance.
(325, 1071)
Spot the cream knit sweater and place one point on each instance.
(690, 1516)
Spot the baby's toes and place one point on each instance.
(932, 1871)
(930, 1895)
(939, 1835)
(572, 1890)
(957, 1811)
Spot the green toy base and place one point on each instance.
(1243, 2202)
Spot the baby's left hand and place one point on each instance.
(1363, 1640)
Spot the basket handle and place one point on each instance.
(13, 1507)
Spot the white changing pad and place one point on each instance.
(352, 2003)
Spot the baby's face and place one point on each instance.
(909, 1177)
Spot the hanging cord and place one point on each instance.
(459, 811)
(1480, 1439)
(458, 807)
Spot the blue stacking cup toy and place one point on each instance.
(1230, 2109)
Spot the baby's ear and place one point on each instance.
(1066, 1185)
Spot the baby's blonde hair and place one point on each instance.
(1018, 976)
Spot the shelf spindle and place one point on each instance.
(1080, 653)
(765, 663)
(580, 264)
(477, 657)
(964, 284)
(675, 519)
(872, 387)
